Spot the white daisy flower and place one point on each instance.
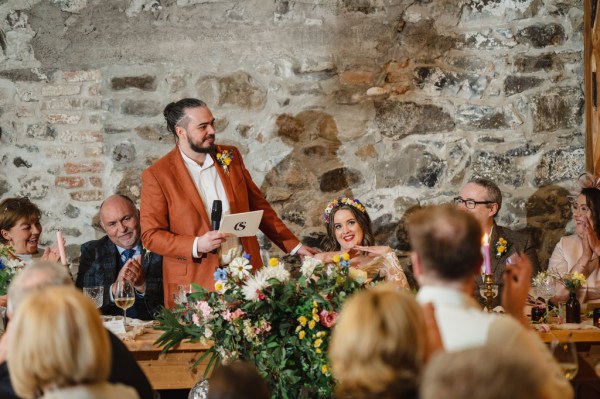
(253, 287)
(231, 254)
(309, 265)
(277, 272)
(240, 267)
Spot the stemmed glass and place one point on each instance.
(546, 289)
(96, 294)
(124, 297)
(565, 354)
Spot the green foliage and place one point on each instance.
(280, 324)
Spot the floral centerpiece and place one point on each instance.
(10, 265)
(571, 281)
(280, 324)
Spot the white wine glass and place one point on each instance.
(565, 354)
(124, 297)
(547, 289)
(96, 294)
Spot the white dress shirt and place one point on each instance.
(463, 325)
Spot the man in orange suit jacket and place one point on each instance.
(177, 194)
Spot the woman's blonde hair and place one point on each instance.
(61, 342)
(378, 345)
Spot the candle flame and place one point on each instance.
(485, 240)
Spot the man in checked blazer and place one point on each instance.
(482, 198)
(118, 256)
(178, 191)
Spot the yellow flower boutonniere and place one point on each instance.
(224, 158)
(502, 247)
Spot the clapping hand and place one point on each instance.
(133, 272)
(517, 282)
(591, 240)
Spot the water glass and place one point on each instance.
(96, 294)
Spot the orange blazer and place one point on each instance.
(173, 215)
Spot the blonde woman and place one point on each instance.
(379, 345)
(63, 349)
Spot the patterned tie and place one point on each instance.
(127, 254)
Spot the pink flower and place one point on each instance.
(196, 319)
(205, 309)
(328, 319)
(229, 316)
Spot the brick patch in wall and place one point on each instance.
(84, 167)
(60, 90)
(356, 77)
(69, 181)
(82, 76)
(63, 119)
(87, 195)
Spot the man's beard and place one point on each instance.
(202, 150)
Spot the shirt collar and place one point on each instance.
(439, 295)
(137, 248)
(190, 163)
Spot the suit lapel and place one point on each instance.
(184, 180)
(226, 180)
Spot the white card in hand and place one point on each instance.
(241, 224)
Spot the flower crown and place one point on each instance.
(339, 201)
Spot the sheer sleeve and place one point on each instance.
(394, 272)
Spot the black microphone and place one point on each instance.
(215, 217)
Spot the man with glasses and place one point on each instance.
(482, 199)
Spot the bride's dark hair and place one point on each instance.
(330, 243)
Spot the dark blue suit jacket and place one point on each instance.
(99, 265)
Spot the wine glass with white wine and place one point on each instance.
(565, 354)
(124, 297)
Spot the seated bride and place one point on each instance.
(349, 231)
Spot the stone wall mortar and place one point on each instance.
(399, 102)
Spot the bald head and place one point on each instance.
(38, 275)
(120, 220)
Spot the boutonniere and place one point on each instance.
(224, 158)
(502, 247)
(147, 253)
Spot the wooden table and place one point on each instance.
(170, 370)
(579, 336)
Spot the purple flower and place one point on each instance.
(247, 256)
(220, 274)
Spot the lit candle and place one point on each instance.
(61, 247)
(486, 254)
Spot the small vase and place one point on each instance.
(573, 309)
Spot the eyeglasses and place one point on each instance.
(469, 203)
(15, 204)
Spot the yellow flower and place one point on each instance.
(346, 256)
(324, 369)
(273, 262)
(318, 342)
(501, 248)
(311, 324)
(302, 320)
(502, 241)
(315, 304)
(299, 328)
(218, 155)
(336, 258)
(219, 286)
(227, 161)
(318, 350)
(321, 334)
(302, 334)
(315, 317)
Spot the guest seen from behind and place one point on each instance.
(379, 346)
(483, 199)
(40, 275)
(178, 192)
(63, 350)
(446, 257)
(238, 380)
(579, 252)
(119, 256)
(349, 230)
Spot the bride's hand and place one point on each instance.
(379, 250)
(591, 238)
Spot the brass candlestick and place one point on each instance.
(489, 293)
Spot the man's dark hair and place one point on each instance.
(447, 241)
(493, 191)
(175, 112)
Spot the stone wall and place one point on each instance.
(396, 102)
